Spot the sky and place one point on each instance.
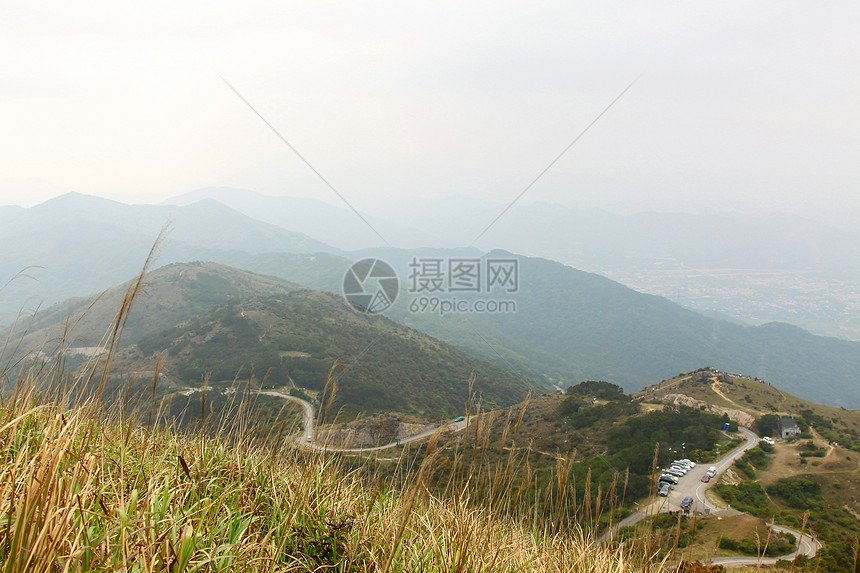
(738, 106)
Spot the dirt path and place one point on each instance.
(719, 392)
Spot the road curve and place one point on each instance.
(453, 426)
(806, 545)
(307, 414)
(308, 430)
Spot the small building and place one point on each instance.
(788, 428)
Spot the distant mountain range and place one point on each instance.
(338, 226)
(585, 238)
(81, 244)
(569, 325)
(751, 268)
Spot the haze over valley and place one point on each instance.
(506, 287)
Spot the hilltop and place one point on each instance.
(747, 399)
(219, 322)
(812, 481)
(174, 293)
(293, 341)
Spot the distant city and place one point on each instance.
(822, 304)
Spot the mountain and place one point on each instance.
(752, 268)
(222, 321)
(598, 328)
(173, 293)
(338, 226)
(574, 326)
(296, 338)
(76, 244)
(569, 325)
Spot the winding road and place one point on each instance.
(308, 430)
(807, 545)
(692, 485)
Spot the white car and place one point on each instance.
(680, 468)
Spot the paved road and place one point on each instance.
(692, 485)
(307, 414)
(689, 485)
(308, 422)
(807, 545)
(453, 426)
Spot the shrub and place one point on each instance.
(801, 492)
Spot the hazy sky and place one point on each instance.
(740, 105)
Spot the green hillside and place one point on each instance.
(295, 338)
(174, 293)
(577, 326)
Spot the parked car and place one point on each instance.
(664, 491)
(690, 463)
(687, 503)
(669, 478)
(681, 469)
(674, 472)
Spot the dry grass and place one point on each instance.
(86, 486)
(88, 492)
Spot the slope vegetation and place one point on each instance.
(295, 339)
